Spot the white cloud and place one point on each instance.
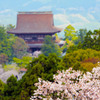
(73, 9)
(45, 8)
(80, 17)
(91, 16)
(62, 10)
(62, 26)
(91, 10)
(76, 9)
(79, 25)
(76, 20)
(96, 8)
(7, 16)
(5, 11)
(27, 3)
(8, 19)
(61, 18)
(89, 26)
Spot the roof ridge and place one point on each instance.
(36, 12)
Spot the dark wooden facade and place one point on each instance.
(34, 41)
(33, 27)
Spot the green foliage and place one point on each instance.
(46, 65)
(76, 66)
(1, 89)
(23, 62)
(93, 60)
(3, 33)
(50, 47)
(90, 63)
(72, 48)
(5, 43)
(9, 27)
(88, 40)
(11, 67)
(3, 58)
(43, 67)
(74, 59)
(10, 45)
(10, 86)
(70, 37)
(19, 47)
(88, 66)
(70, 32)
(81, 34)
(57, 38)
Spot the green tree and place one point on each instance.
(10, 45)
(49, 46)
(43, 67)
(70, 33)
(23, 62)
(57, 38)
(9, 27)
(19, 48)
(3, 34)
(81, 34)
(3, 58)
(10, 86)
(5, 43)
(72, 59)
(88, 40)
(1, 89)
(70, 37)
(11, 67)
(97, 39)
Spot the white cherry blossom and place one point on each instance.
(71, 85)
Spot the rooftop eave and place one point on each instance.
(32, 32)
(18, 32)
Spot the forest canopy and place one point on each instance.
(10, 45)
(82, 54)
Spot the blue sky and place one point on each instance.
(78, 13)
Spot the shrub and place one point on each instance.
(88, 66)
(73, 59)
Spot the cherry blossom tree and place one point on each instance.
(36, 53)
(70, 85)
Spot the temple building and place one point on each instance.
(33, 27)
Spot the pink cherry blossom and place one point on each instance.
(71, 85)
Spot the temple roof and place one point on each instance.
(35, 22)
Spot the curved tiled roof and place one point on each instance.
(34, 22)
